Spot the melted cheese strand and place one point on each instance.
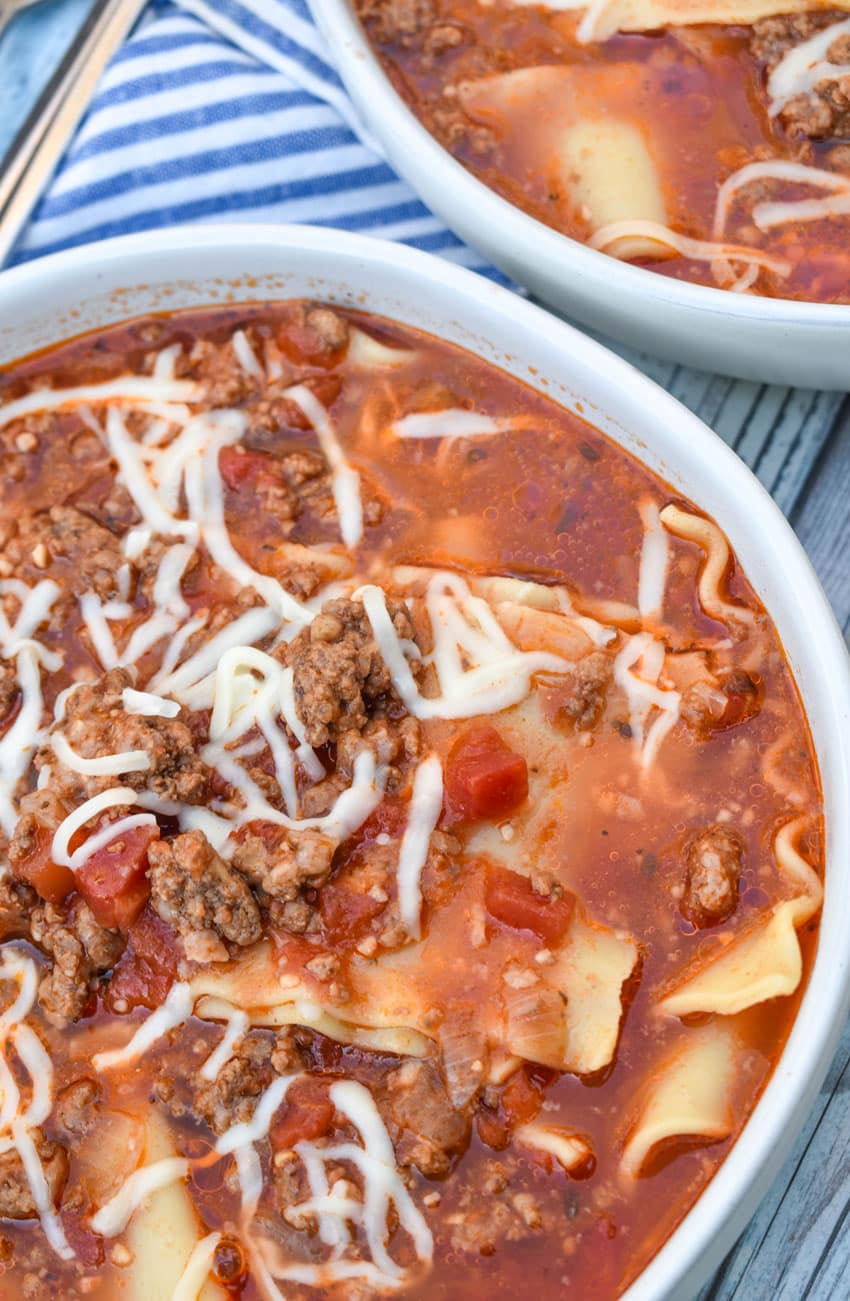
(16, 966)
(105, 765)
(769, 215)
(197, 1269)
(237, 1025)
(805, 65)
(425, 807)
(245, 354)
(333, 1230)
(133, 475)
(149, 704)
(127, 388)
(248, 1132)
(10, 1097)
(383, 1184)
(166, 360)
(60, 851)
(350, 810)
(172, 1013)
(642, 694)
(50, 1222)
(101, 634)
(166, 591)
(345, 481)
(38, 1065)
(699, 250)
(114, 1216)
(36, 603)
(184, 682)
(654, 559)
(36, 1061)
(455, 422)
(111, 832)
(20, 742)
(459, 622)
(205, 497)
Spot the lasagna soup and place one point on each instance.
(411, 831)
(708, 140)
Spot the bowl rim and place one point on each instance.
(709, 1228)
(361, 70)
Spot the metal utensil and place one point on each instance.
(36, 150)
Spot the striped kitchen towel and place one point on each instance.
(227, 110)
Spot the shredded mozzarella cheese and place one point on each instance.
(149, 704)
(767, 215)
(60, 849)
(105, 765)
(805, 65)
(128, 388)
(455, 422)
(115, 1215)
(237, 1025)
(463, 627)
(698, 250)
(36, 1061)
(197, 1270)
(245, 354)
(345, 481)
(425, 805)
(643, 694)
(654, 559)
(173, 1012)
(248, 1132)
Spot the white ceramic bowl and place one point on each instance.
(58, 297)
(773, 341)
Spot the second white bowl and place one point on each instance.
(771, 340)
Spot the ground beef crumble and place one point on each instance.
(8, 687)
(92, 555)
(427, 1130)
(823, 113)
(96, 723)
(280, 863)
(339, 674)
(16, 1199)
(194, 890)
(713, 868)
(80, 950)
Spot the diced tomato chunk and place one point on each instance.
(237, 465)
(484, 777)
(52, 881)
(522, 1098)
(345, 912)
(148, 966)
(306, 1113)
(113, 880)
(511, 899)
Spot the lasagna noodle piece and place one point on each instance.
(765, 961)
(689, 1097)
(586, 136)
(605, 20)
(163, 1231)
(389, 1002)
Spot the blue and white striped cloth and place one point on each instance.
(227, 110)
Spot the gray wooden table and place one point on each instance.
(797, 441)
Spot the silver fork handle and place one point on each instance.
(35, 153)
